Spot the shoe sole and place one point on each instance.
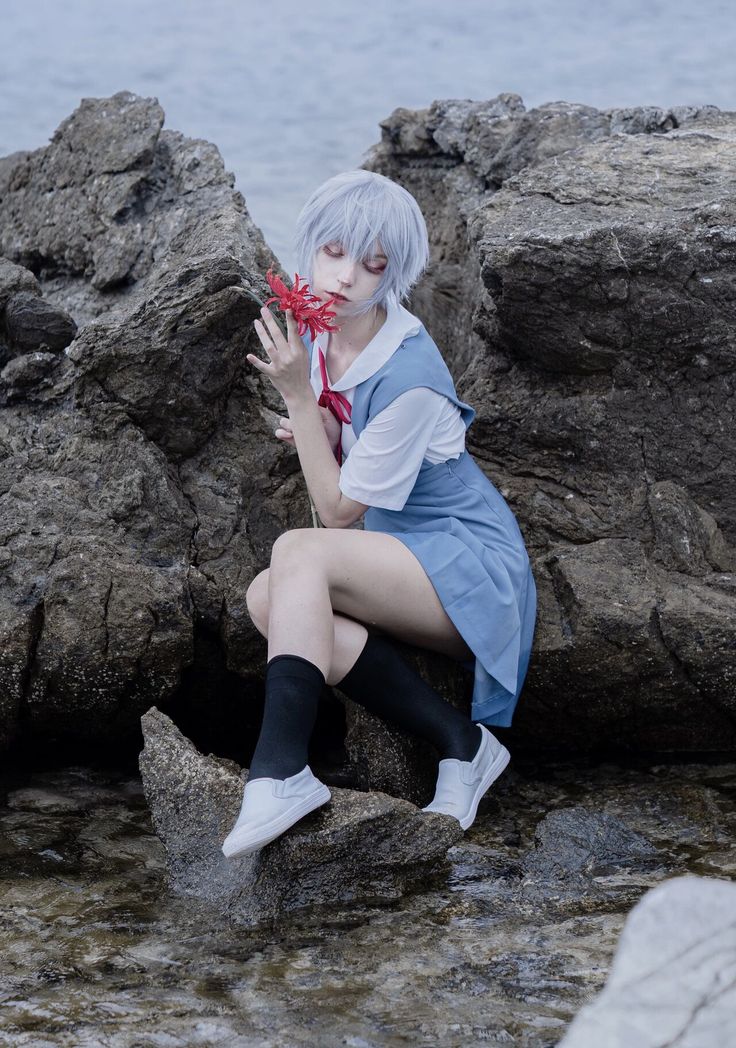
(245, 843)
(500, 761)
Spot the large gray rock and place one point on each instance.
(583, 290)
(142, 487)
(673, 980)
(360, 848)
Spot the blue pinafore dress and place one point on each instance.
(460, 529)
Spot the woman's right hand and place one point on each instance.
(333, 429)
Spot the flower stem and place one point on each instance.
(260, 302)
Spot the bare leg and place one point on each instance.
(370, 577)
(349, 636)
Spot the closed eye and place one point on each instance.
(337, 252)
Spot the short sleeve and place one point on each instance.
(384, 463)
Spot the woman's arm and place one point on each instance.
(288, 369)
(318, 463)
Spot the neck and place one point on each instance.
(356, 332)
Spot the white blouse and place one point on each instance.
(381, 466)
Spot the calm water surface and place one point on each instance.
(293, 92)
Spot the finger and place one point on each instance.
(266, 368)
(285, 423)
(288, 438)
(266, 342)
(273, 329)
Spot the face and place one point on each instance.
(334, 272)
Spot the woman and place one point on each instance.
(441, 563)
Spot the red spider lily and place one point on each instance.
(300, 300)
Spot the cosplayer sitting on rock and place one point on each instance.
(440, 564)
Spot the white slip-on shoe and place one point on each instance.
(270, 807)
(461, 784)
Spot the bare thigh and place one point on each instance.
(371, 577)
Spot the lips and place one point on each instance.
(338, 296)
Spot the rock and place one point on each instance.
(582, 289)
(15, 279)
(358, 849)
(596, 273)
(33, 324)
(27, 372)
(142, 486)
(575, 843)
(673, 979)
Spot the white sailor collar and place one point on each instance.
(398, 325)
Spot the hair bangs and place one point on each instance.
(365, 211)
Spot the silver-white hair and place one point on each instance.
(362, 209)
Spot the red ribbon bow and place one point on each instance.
(335, 402)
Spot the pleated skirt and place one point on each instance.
(459, 527)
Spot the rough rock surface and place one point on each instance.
(573, 847)
(141, 485)
(583, 290)
(673, 980)
(359, 848)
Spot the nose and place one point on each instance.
(347, 272)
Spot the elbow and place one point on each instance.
(344, 514)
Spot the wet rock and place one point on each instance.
(575, 842)
(673, 979)
(358, 849)
(596, 276)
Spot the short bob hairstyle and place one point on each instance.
(363, 211)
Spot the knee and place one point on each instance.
(256, 599)
(296, 548)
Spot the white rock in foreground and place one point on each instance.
(673, 981)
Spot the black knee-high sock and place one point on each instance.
(384, 684)
(293, 688)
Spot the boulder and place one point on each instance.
(582, 290)
(673, 979)
(575, 853)
(142, 486)
(359, 849)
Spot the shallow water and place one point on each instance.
(95, 951)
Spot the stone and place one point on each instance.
(16, 279)
(27, 372)
(582, 291)
(142, 485)
(32, 324)
(573, 849)
(673, 979)
(359, 849)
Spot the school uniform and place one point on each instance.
(403, 455)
